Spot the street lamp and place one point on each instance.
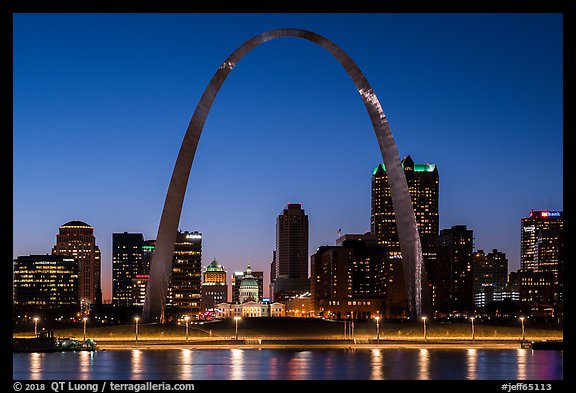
(136, 319)
(424, 321)
(186, 318)
(236, 319)
(472, 320)
(36, 326)
(85, 319)
(523, 332)
(377, 329)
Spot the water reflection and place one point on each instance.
(86, 362)
(521, 362)
(376, 364)
(185, 363)
(472, 363)
(299, 365)
(273, 370)
(285, 364)
(424, 364)
(36, 365)
(137, 362)
(237, 356)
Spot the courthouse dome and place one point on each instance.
(248, 280)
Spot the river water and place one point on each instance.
(291, 364)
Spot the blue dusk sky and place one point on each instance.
(102, 102)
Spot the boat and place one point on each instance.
(46, 342)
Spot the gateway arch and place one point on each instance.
(415, 281)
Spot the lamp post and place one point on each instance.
(85, 319)
(424, 322)
(377, 329)
(472, 320)
(137, 319)
(36, 326)
(186, 318)
(523, 331)
(236, 319)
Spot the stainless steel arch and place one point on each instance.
(412, 261)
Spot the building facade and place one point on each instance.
(541, 251)
(249, 309)
(490, 273)
(127, 253)
(422, 180)
(139, 285)
(214, 287)
(353, 280)
(186, 277)
(454, 252)
(46, 281)
(76, 240)
(290, 266)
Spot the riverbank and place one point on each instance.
(250, 344)
(287, 328)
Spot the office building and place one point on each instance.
(127, 253)
(139, 284)
(352, 280)
(186, 277)
(290, 266)
(454, 253)
(46, 281)
(214, 288)
(541, 251)
(76, 240)
(422, 180)
(490, 273)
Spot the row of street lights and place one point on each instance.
(471, 320)
(186, 318)
(237, 318)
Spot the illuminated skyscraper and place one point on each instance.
(541, 251)
(422, 182)
(140, 282)
(126, 265)
(76, 240)
(46, 281)
(291, 258)
(186, 278)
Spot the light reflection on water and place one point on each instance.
(288, 364)
(237, 356)
(376, 366)
(471, 363)
(136, 355)
(36, 365)
(521, 360)
(299, 365)
(424, 364)
(186, 363)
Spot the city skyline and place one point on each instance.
(477, 104)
